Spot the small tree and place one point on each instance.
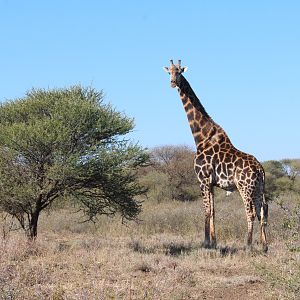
(176, 164)
(292, 170)
(282, 176)
(66, 142)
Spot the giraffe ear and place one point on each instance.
(184, 69)
(166, 69)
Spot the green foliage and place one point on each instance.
(67, 142)
(283, 187)
(282, 176)
(275, 168)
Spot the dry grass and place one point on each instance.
(158, 258)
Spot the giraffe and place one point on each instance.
(218, 163)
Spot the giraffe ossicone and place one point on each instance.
(218, 163)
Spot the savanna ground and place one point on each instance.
(160, 257)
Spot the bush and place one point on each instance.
(171, 174)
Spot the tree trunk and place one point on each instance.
(32, 231)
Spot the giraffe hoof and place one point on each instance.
(213, 245)
(265, 248)
(209, 245)
(206, 244)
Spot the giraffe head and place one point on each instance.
(175, 72)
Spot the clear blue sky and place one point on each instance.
(243, 59)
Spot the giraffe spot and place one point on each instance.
(221, 139)
(195, 128)
(227, 146)
(251, 206)
(223, 176)
(246, 163)
(249, 157)
(208, 159)
(232, 152)
(216, 148)
(198, 115)
(205, 130)
(209, 151)
(190, 115)
(184, 100)
(212, 132)
(227, 158)
(221, 156)
(188, 106)
(247, 171)
(230, 166)
(202, 122)
(199, 158)
(253, 176)
(239, 163)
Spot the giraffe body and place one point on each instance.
(218, 163)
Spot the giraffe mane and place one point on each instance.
(194, 99)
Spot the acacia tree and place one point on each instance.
(67, 142)
(282, 176)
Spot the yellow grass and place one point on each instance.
(159, 257)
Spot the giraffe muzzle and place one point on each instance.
(173, 83)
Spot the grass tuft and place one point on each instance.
(177, 249)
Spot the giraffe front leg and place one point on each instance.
(206, 203)
(209, 213)
(212, 223)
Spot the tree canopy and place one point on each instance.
(67, 142)
(282, 176)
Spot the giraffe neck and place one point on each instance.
(202, 125)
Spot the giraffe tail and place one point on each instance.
(263, 218)
(262, 213)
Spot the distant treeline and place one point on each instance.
(170, 175)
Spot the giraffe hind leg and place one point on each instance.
(263, 224)
(213, 239)
(250, 214)
(256, 206)
(250, 221)
(262, 215)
